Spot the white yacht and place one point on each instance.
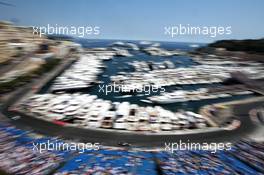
(108, 119)
(120, 124)
(177, 96)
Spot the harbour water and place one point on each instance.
(121, 64)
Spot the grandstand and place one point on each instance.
(17, 156)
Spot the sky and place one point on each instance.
(141, 19)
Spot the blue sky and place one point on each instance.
(142, 19)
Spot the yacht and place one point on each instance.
(123, 53)
(94, 120)
(165, 126)
(243, 93)
(154, 125)
(201, 125)
(224, 95)
(132, 125)
(108, 119)
(120, 123)
(177, 96)
(143, 125)
(184, 124)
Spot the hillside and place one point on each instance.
(249, 46)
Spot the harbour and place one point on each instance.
(180, 67)
(73, 97)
